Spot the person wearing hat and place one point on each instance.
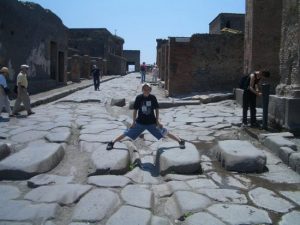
(146, 117)
(4, 101)
(23, 96)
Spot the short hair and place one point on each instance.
(265, 73)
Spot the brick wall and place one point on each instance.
(262, 37)
(204, 63)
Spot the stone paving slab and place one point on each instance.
(274, 143)
(31, 161)
(96, 205)
(294, 196)
(290, 218)
(172, 158)
(246, 214)
(47, 179)
(130, 215)
(24, 210)
(267, 199)
(155, 220)
(115, 161)
(183, 202)
(202, 218)
(15, 223)
(141, 177)
(224, 195)
(62, 194)
(109, 181)
(240, 156)
(137, 196)
(8, 192)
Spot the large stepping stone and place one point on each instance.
(239, 214)
(8, 192)
(108, 181)
(202, 218)
(25, 211)
(274, 143)
(137, 196)
(183, 202)
(59, 135)
(46, 179)
(240, 156)
(290, 218)
(28, 136)
(130, 215)
(4, 150)
(118, 102)
(33, 160)
(62, 194)
(174, 159)
(97, 204)
(269, 200)
(115, 161)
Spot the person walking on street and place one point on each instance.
(22, 85)
(143, 72)
(250, 94)
(96, 77)
(155, 71)
(4, 91)
(144, 118)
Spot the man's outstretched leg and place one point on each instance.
(179, 140)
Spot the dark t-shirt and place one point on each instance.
(145, 107)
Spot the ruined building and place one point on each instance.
(132, 58)
(201, 63)
(232, 21)
(99, 43)
(30, 34)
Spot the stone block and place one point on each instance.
(203, 218)
(182, 161)
(4, 150)
(285, 153)
(137, 196)
(33, 160)
(274, 143)
(290, 218)
(240, 156)
(118, 102)
(47, 179)
(294, 161)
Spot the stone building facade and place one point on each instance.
(30, 34)
(133, 57)
(262, 37)
(201, 63)
(99, 42)
(284, 107)
(233, 21)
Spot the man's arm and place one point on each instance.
(157, 117)
(252, 81)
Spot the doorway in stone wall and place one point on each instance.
(53, 60)
(130, 67)
(61, 66)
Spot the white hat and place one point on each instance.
(146, 84)
(24, 66)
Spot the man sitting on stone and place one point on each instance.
(250, 94)
(144, 118)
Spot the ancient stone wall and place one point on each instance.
(116, 65)
(132, 58)
(30, 34)
(230, 20)
(262, 37)
(205, 63)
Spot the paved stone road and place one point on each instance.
(58, 171)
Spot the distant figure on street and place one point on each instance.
(96, 77)
(155, 71)
(22, 85)
(144, 118)
(250, 93)
(143, 70)
(4, 91)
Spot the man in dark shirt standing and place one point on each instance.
(96, 77)
(144, 118)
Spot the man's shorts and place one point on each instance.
(135, 131)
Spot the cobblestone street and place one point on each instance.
(59, 172)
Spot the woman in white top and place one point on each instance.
(155, 73)
(4, 101)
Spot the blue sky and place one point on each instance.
(140, 23)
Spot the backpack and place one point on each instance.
(244, 82)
